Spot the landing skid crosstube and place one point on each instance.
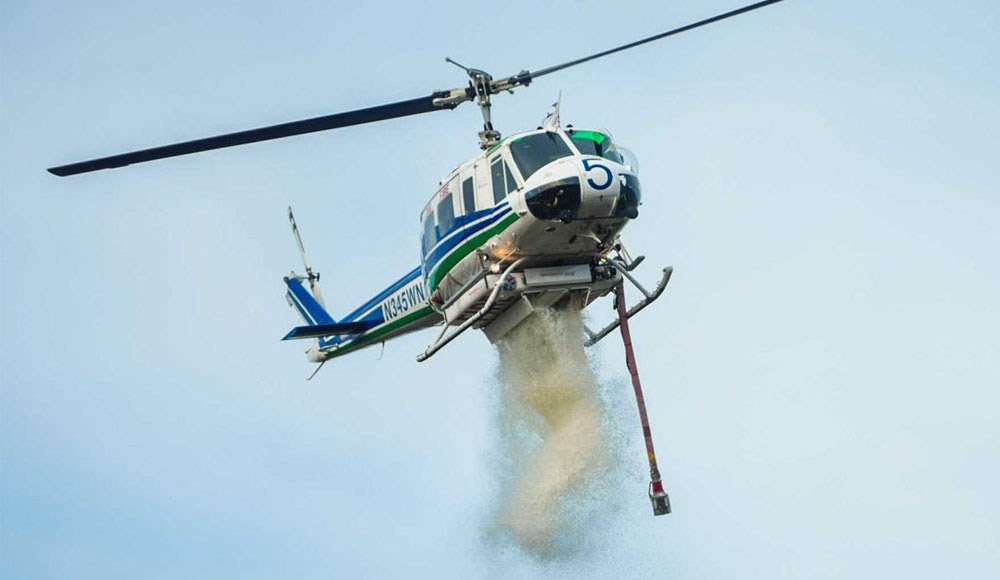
(510, 291)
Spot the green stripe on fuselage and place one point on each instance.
(495, 146)
(466, 248)
(371, 336)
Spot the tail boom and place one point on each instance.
(401, 308)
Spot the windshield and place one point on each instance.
(594, 143)
(532, 152)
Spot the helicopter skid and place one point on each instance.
(498, 302)
(648, 298)
(539, 287)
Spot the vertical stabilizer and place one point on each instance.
(309, 308)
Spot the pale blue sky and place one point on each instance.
(822, 376)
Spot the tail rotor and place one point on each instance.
(313, 277)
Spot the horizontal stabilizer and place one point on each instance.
(320, 330)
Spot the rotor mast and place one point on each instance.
(481, 86)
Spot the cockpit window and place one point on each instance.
(594, 143)
(429, 237)
(511, 184)
(532, 152)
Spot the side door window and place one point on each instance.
(468, 195)
(496, 172)
(446, 215)
(430, 236)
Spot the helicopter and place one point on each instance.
(533, 221)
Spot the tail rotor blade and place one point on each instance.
(313, 278)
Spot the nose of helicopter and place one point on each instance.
(582, 188)
(599, 188)
(608, 189)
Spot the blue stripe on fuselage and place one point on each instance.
(371, 312)
(410, 277)
(376, 316)
(445, 246)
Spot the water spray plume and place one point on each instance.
(553, 422)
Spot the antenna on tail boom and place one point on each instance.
(313, 277)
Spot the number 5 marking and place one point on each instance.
(589, 164)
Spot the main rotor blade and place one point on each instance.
(700, 23)
(335, 121)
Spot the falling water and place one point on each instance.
(557, 448)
